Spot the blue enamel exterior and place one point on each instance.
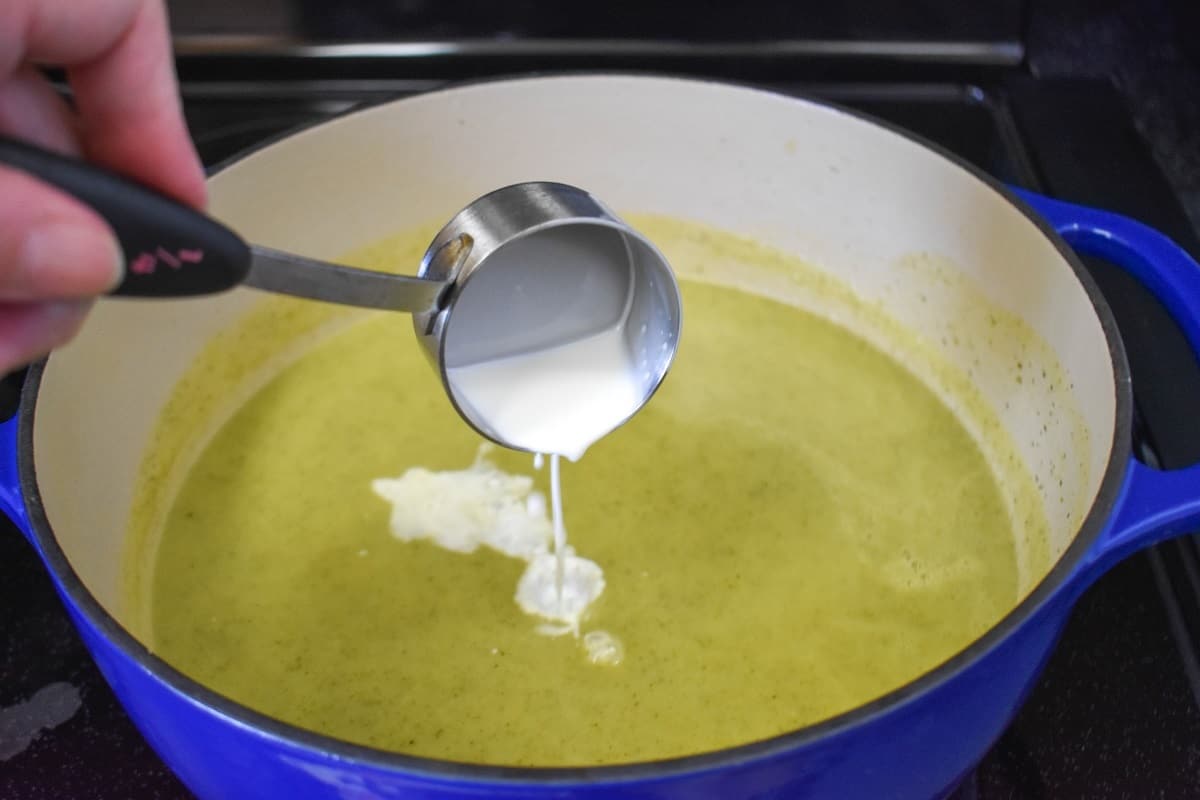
(1157, 505)
(916, 743)
(11, 501)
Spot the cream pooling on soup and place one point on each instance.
(483, 506)
(558, 401)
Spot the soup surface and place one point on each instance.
(793, 526)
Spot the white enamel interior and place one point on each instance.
(846, 195)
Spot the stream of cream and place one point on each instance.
(557, 401)
(462, 510)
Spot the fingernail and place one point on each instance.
(66, 260)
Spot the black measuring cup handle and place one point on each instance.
(170, 250)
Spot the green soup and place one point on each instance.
(793, 526)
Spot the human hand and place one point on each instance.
(56, 254)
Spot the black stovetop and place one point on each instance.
(1117, 713)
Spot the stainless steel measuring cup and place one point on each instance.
(537, 265)
(522, 269)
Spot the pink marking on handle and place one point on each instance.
(170, 260)
(191, 256)
(144, 264)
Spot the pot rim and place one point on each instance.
(1056, 579)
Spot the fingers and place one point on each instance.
(53, 251)
(118, 60)
(51, 247)
(29, 331)
(129, 104)
(31, 110)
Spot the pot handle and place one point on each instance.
(1154, 504)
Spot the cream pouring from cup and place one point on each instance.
(549, 320)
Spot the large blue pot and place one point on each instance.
(916, 742)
